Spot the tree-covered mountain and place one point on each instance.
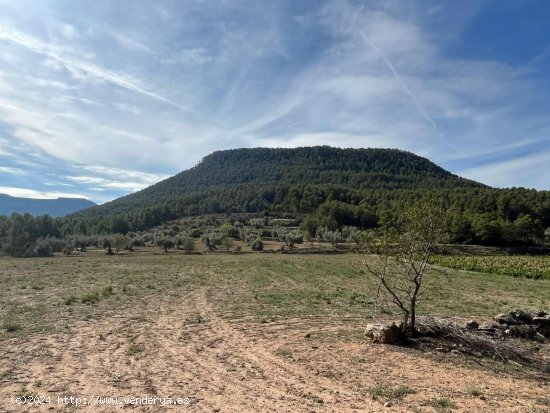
(334, 187)
(324, 189)
(54, 207)
(247, 170)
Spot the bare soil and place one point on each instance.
(184, 348)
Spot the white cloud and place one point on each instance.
(511, 173)
(31, 193)
(338, 139)
(156, 93)
(84, 71)
(130, 43)
(194, 56)
(69, 31)
(9, 170)
(114, 178)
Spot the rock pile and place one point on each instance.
(520, 323)
(384, 333)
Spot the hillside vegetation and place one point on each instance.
(262, 177)
(324, 190)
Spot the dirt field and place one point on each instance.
(178, 331)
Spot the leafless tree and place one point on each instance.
(398, 256)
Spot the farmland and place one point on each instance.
(527, 266)
(177, 324)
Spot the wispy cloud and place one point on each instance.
(83, 70)
(112, 99)
(402, 83)
(8, 170)
(114, 178)
(31, 193)
(509, 173)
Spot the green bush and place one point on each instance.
(90, 298)
(257, 245)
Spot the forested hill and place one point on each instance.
(242, 172)
(322, 187)
(54, 207)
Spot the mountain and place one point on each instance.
(253, 176)
(54, 207)
(327, 187)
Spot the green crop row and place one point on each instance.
(527, 266)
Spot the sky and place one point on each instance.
(100, 98)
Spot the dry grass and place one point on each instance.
(252, 324)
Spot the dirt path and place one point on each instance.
(170, 349)
(179, 347)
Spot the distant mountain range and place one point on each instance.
(54, 207)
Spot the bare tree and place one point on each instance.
(398, 257)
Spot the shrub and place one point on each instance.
(187, 244)
(90, 298)
(11, 326)
(257, 245)
(107, 291)
(389, 392)
(69, 300)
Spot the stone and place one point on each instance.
(521, 315)
(508, 319)
(539, 313)
(387, 404)
(472, 325)
(540, 320)
(384, 333)
(544, 329)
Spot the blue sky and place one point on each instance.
(102, 98)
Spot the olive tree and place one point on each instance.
(186, 243)
(398, 257)
(119, 242)
(227, 243)
(165, 243)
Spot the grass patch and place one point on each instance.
(7, 374)
(107, 291)
(90, 298)
(264, 286)
(11, 326)
(24, 392)
(473, 390)
(388, 392)
(283, 352)
(134, 349)
(70, 300)
(442, 405)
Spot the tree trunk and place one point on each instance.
(412, 324)
(405, 328)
